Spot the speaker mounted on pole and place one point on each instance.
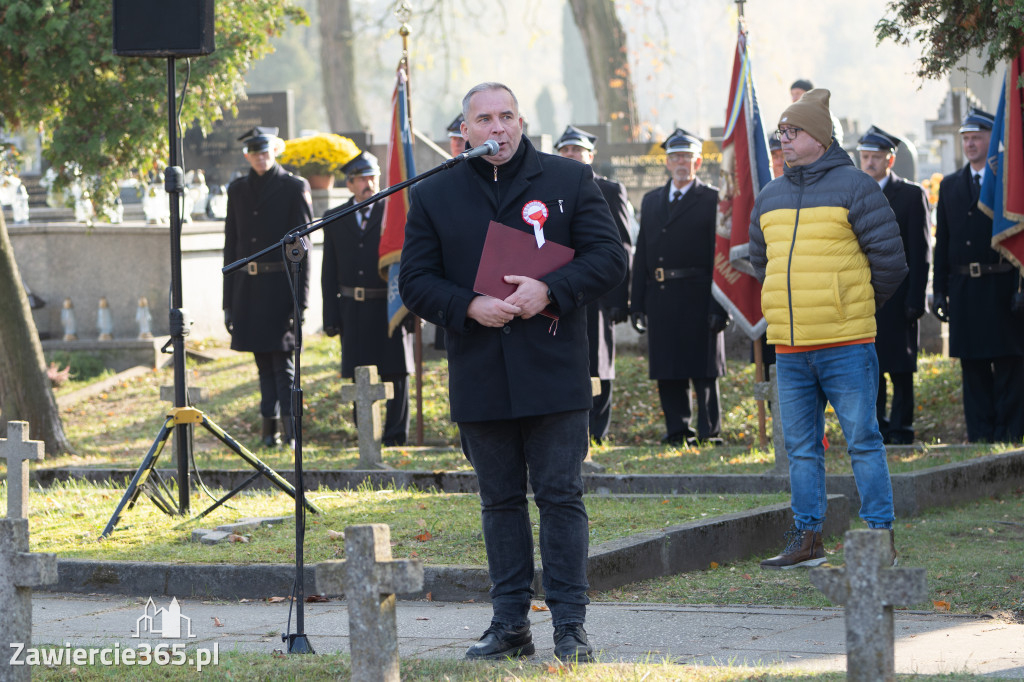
(163, 28)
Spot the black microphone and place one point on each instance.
(489, 148)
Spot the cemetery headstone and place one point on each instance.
(869, 587)
(18, 449)
(20, 570)
(370, 579)
(768, 391)
(366, 393)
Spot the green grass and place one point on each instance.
(324, 667)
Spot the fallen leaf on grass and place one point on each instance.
(217, 623)
(235, 537)
(276, 600)
(424, 536)
(714, 565)
(940, 605)
(430, 596)
(538, 607)
(335, 535)
(552, 669)
(316, 598)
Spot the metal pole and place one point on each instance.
(177, 323)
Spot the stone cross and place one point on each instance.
(768, 391)
(366, 393)
(370, 578)
(17, 448)
(869, 587)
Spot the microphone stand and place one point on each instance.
(296, 248)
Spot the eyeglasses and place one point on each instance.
(788, 133)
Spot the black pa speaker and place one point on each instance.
(163, 28)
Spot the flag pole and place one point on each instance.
(403, 12)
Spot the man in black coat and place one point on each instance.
(356, 298)
(671, 295)
(897, 339)
(258, 305)
(973, 289)
(519, 381)
(612, 308)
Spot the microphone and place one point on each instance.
(489, 148)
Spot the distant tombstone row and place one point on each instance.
(105, 321)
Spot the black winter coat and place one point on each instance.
(897, 338)
(600, 327)
(261, 210)
(679, 340)
(350, 260)
(980, 322)
(528, 367)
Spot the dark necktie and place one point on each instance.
(677, 195)
(364, 218)
(976, 187)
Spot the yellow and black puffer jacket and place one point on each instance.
(827, 248)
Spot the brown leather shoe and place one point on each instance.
(803, 550)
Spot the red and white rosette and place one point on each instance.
(535, 213)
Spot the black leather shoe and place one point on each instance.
(571, 644)
(502, 641)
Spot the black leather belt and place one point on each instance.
(254, 268)
(362, 293)
(661, 274)
(979, 269)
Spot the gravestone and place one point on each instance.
(20, 570)
(869, 587)
(219, 153)
(768, 391)
(18, 449)
(366, 393)
(370, 578)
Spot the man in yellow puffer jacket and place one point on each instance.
(826, 245)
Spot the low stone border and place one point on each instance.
(675, 549)
(912, 493)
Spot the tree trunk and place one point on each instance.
(25, 393)
(337, 63)
(605, 43)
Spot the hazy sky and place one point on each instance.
(681, 55)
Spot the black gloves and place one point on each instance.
(331, 331)
(1017, 303)
(912, 313)
(228, 324)
(717, 323)
(639, 322)
(616, 315)
(940, 306)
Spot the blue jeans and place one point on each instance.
(847, 377)
(547, 450)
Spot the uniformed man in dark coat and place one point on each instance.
(519, 381)
(897, 340)
(973, 289)
(456, 142)
(671, 297)
(612, 308)
(258, 306)
(356, 298)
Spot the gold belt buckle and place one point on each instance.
(359, 294)
(252, 267)
(975, 269)
(659, 274)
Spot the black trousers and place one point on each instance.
(675, 403)
(396, 418)
(601, 412)
(898, 427)
(276, 371)
(993, 391)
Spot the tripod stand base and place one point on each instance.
(298, 644)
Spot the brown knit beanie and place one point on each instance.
(810, 112)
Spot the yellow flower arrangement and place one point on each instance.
(320, 154)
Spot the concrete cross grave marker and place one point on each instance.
(17, 448)
(366, 393)
(20, 570)
(768, 391)
(869, 587)
(370, 578)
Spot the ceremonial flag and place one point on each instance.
(401, 167)
(745, 170)
(1002, 190)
